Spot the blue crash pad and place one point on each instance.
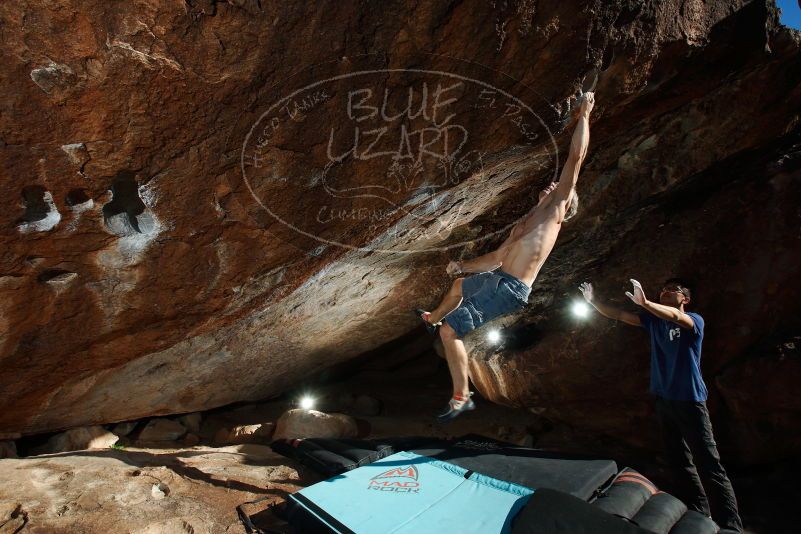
(411, 494)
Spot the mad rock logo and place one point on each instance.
(397, 480)
(388, 160)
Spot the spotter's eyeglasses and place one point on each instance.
(674, 289)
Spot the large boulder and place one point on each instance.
(299, 423)
(162, 430)
(260, 433)
(75, 439)
(191, 422)
(125, 428)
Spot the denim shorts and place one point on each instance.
(485, 297)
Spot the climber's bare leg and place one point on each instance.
(456, 355)
(450, 302)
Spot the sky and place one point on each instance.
(791, 13)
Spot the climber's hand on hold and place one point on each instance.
(454, 267)
(586, 105)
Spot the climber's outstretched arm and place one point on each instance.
(578, 151)
(487, 262)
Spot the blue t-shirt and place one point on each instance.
(676, 358)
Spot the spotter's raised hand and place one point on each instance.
(587, 291)
(637, 295)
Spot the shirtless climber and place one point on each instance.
(474, 300)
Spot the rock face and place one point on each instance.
(313, 424)
(196, 216)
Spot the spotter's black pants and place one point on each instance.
(691, 451)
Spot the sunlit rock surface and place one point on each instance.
(142, 490)
(167, 247)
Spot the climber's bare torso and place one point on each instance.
(531, 240)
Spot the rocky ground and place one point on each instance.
(141, 490)
(193, 483)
